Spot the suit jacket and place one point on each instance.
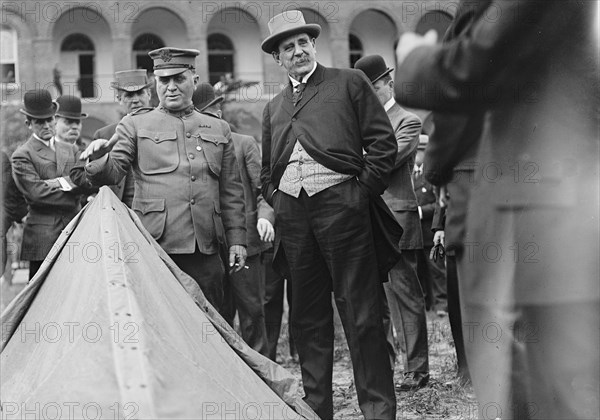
(535, 69)
(400, 195)
(337, 118)
(50, 208)
(124, 189)
(247, 154)
(189, 189)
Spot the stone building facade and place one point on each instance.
(79, 44)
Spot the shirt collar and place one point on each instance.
(389, 104)
(47, 143)
(304, 79)
(183, 112)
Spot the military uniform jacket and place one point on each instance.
(400, 195)
(187, 183)
(50, 208)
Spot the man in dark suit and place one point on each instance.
(245, 289)
(531, 271)
(41, 171)
(190, 198)
(321, 186)
(403, 290)
(432, 273)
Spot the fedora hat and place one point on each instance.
(285, 24)
(204, 97)
(38, 104)
(70, 107)
(373, 66)
(131, 80)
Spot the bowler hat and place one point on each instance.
(70, 107)
(373, 66)
(170, 61)
(38, 103)
(204, 97)
(286, 24)
(130, 80)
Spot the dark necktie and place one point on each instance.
(297, 95)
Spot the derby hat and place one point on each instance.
(38, 104)
(204, 97)
(171, 61)
(70, 107)
(373, 66)
(130, 80)
(286, 24)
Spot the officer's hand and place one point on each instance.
(439, 237)
(265, 230)
(237, 258)
(98, 148)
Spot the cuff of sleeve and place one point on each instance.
(236, 237)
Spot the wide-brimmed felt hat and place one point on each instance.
(131, 80)
(170, 61)
(70, 107)
(204, 97)
(373, 66)
(286, 24)
(38, 104)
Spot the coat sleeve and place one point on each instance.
(264, 210)
(231, 194)
(267, 187)
(35, 190)
(407, 138)
(472, 71)
(119, 159)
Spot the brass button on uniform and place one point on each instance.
(188, 135)
(192, 201)
(191, 156)
(193, 178)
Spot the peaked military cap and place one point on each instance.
(170, 61)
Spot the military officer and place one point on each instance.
(188, 192)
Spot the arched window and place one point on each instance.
(220, 57)
(356, 49)
(8, 55)
(142, 45)
(83, 48)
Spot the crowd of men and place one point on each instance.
(354, 199)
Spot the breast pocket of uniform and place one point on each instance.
(213, 151)
(158, 152)
(153, 215)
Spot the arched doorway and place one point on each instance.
(142, 45)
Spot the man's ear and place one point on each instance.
(196, 79)
(28, 124)
(275, 55)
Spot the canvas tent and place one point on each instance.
(111, 328)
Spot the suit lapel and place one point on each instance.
(286, 101)
(42, 151)
(312, 88)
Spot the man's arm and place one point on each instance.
(377, 134)
(267, 187)
(111, 167)
(472, 71)
(407, 138)
(36, 190)
(252, 162)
